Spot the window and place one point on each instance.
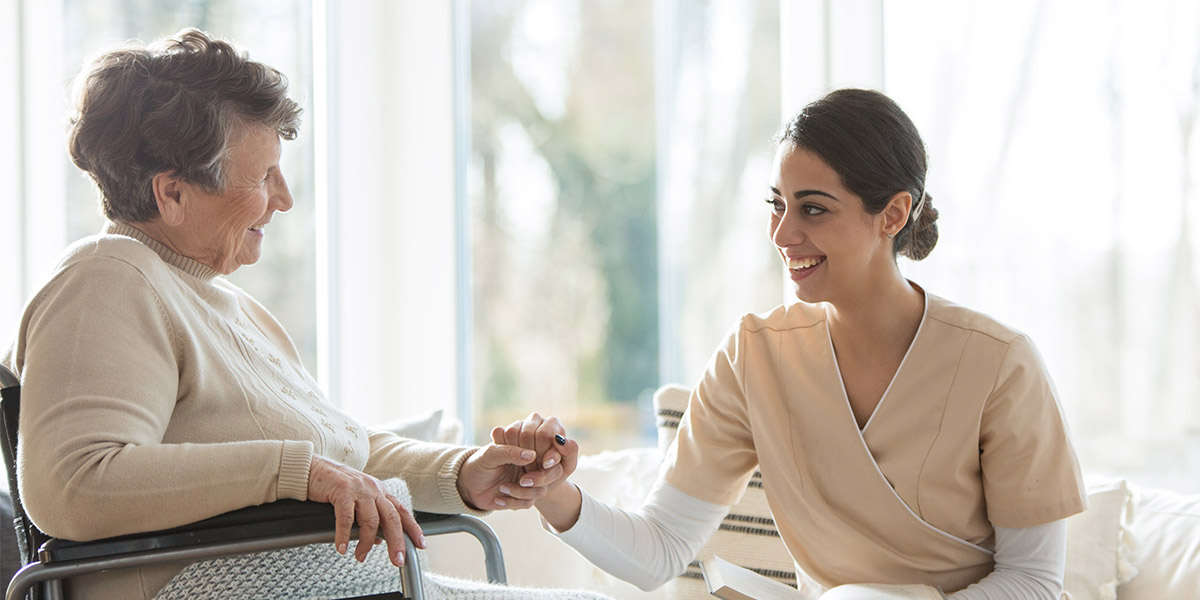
(617, 158)
(1064, 160)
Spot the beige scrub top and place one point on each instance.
(968, 436)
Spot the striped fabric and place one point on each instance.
(747, 537)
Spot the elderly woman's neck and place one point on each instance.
(162, 233)
(158, 232)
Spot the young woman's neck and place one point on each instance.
(886, 308)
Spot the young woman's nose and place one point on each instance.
(787, 231)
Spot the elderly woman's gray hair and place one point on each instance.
(170, 107)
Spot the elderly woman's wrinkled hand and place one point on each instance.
(548, 438)
(358, 497)
(497, 476)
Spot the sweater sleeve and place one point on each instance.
(429, 469)
(100, 369)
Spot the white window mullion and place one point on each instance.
(828, 45)
(391, 186)
(44, 101)
(11, 240)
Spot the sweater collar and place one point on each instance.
(179, 261)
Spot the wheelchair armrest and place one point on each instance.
(265, 520)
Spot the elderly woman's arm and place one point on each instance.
(97, 352)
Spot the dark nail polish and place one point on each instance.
(562, 441)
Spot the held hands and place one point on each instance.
(507, 474)
(560, 502)
(358, 497)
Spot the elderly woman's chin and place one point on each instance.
(248, 253)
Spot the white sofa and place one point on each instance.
(1131, 543)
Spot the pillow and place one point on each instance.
(1166, 532)
(1098, 543)
(747, 537)
(423, 427)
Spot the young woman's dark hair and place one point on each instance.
(875, 148)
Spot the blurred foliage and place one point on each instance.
(569, 313)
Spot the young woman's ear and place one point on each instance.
(895, 214)
(170, 197)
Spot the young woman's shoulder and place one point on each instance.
(794, 315)
(954, 315)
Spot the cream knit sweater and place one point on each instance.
(157, 394)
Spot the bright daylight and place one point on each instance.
(600, 299)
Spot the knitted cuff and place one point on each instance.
(294, 463)
(448, 483)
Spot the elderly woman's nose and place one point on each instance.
(281, 196)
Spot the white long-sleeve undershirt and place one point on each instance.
(650, 546)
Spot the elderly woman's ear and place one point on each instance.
(169, 195)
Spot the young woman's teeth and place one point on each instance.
(803, 263)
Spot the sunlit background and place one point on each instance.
(556, 205)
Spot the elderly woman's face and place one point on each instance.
(226, 228)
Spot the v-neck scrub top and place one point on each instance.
(968, 436)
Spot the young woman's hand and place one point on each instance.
(498, 476)
(561, 502)
(545, 436)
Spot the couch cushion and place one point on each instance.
(1166, 535)
(747, 537)
(1097, 560)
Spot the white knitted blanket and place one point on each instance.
(318, 572)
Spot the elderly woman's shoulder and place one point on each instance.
(110, 248)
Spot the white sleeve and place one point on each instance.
(1030, 562)
(647, 547)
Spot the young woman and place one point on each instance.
(902, 438)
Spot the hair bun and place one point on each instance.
(922, 231)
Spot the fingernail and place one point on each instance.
(529, 454)
(500, 502)
(562, 441)
(504, 489)
(341, 549)
(549, 463)
(399, 559)
(526, 482)
(421, 540)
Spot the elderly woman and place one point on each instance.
(902, 439)
(156, 393)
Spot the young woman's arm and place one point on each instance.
(647, 547)
(1029, 564)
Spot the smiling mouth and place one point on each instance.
(803, 264)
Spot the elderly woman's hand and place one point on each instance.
(557, 454)
(356, 496)
(546, 437)
(498, 476)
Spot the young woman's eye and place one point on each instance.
(813, 210)
(776, 205)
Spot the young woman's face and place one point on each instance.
(832, 248)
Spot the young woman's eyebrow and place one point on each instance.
(802, 193)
